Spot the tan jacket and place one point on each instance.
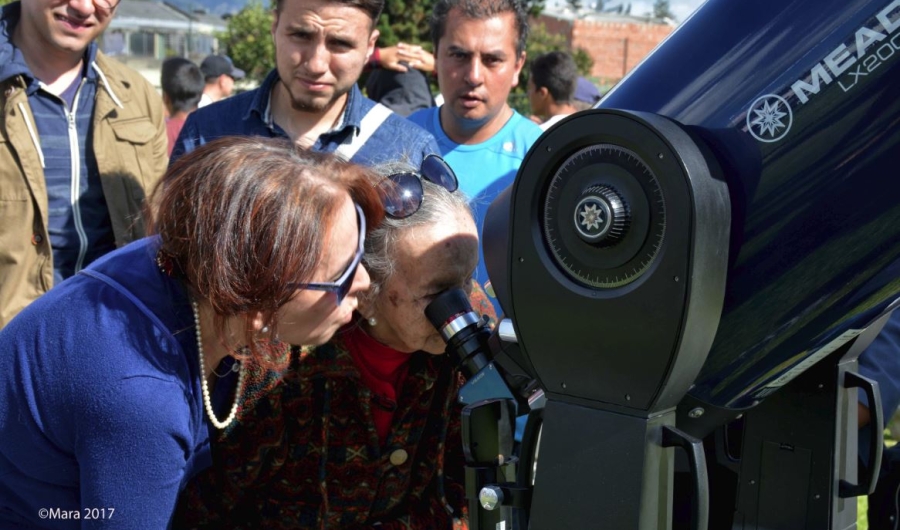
(129, 142)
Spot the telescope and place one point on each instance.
(688, 273)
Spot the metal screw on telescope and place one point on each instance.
(490, 497)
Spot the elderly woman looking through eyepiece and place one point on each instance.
(110, 381)
(363, 430)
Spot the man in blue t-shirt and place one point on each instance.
(479, 52)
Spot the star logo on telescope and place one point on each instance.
(591, 217)
(769, 118)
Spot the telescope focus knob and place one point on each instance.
(601, 216)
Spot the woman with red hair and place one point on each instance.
(112, 381)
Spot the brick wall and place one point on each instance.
(616, 46)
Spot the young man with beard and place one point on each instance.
(321, 48)
(479, 52)
(82, 142)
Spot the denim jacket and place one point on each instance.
(249, 113)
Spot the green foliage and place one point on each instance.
(248, 40)
(404, 21)
(661, 9)
(535, 7)
(4, 2)
(541, 41)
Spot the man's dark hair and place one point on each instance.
(182, 82)
(373, 8)
(558, 73)
(479, 10)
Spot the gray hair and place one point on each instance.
(438, 204)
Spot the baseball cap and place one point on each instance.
(586, 91)
(216, 65)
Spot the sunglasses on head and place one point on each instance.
(342, 285)
(402, 193)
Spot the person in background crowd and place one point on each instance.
(312, 97)
(182, 85)
(84, 141)
(399, 68)
(551, 87)
(402, 57)
(111, 382)
(219, 74)
(364, 431)
(479, 52)
(586, 94)
(402, 92)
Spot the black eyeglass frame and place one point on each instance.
(411, 193)
(342, 285)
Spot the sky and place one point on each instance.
(680, 8)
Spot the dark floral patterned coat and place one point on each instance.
(304, 452)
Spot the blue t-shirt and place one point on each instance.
(101, 399)
(484, 169)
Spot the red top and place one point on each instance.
(383, 370)
(173, 128)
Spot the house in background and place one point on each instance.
(616, 42)
(143, 33)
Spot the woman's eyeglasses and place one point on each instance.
(342, 286)
(402, 193)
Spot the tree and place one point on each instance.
(534, 7)
(662, 10)
(404, 21)
(574, 4)
(248, 40)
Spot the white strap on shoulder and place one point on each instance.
(367, 126)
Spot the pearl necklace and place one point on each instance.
(207, 402)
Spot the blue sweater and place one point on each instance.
(101, 401)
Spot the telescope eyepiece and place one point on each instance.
(448, 307)
(461, 328)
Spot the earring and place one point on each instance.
(265, 329)
(373, 321)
